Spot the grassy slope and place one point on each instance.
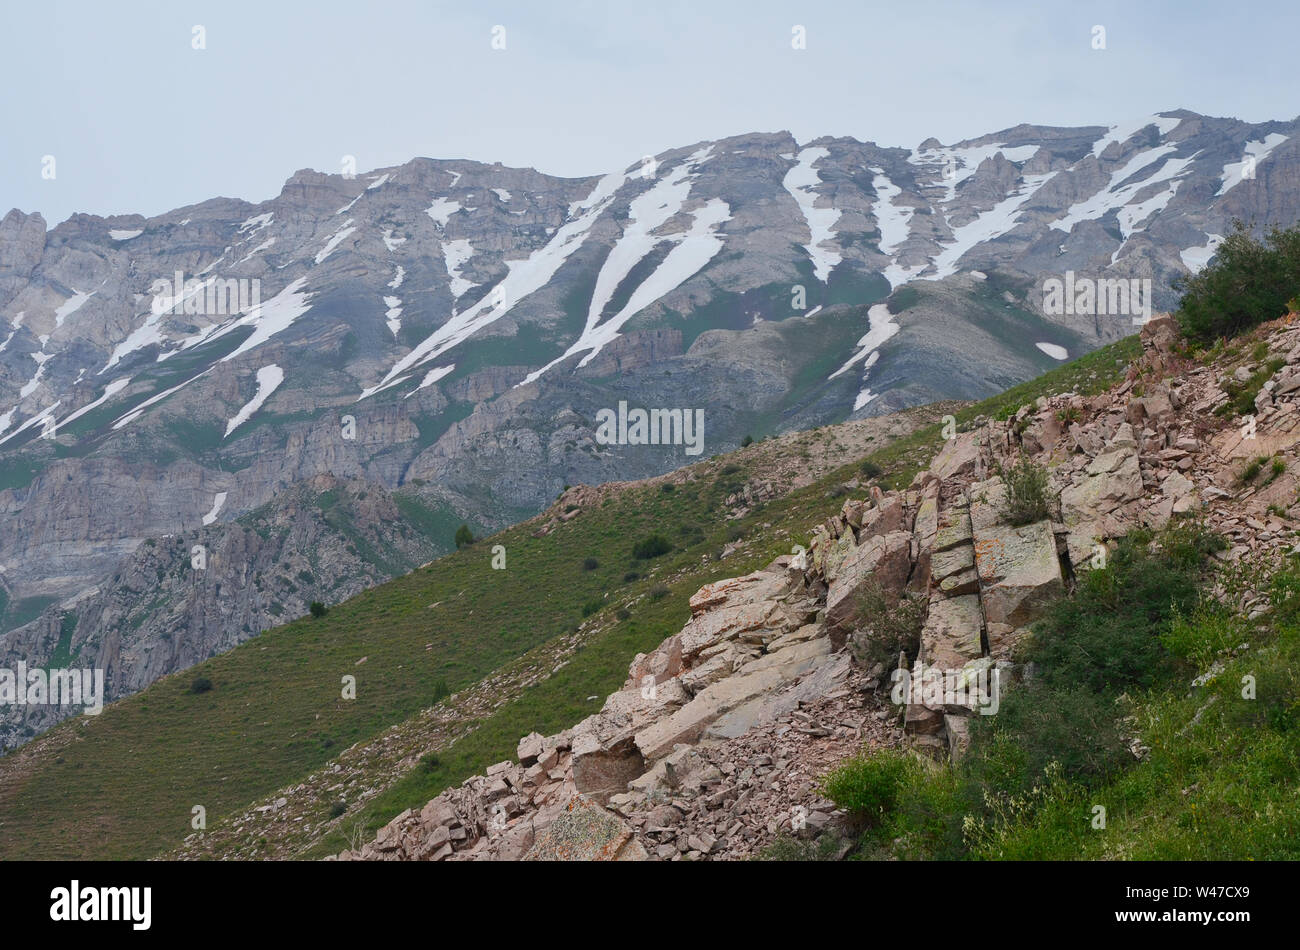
(123, 785)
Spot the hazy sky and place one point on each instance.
(140, 121)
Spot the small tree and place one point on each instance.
(1247, 283)
(464, 536)
(1027, 493)
(318, 609)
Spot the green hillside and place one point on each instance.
(123, 785)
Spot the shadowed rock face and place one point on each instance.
(450, 329)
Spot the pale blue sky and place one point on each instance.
(138, 121)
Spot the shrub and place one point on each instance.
(318, 609)
(591, 606)
(1106, 637)
(590, 564)
(869, 469)
(1252, 469)
(631, 576)
(464, 536)
(337, 809)
(429, 762)
(887, 627)
(1200, 636)
(747, 441)
(1037, 725)
(867, 787)
(653, 546)
(201, 684)
(785, 847)
(659, 592)
(1027, 493)
(1248, 282)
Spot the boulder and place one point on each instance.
(586, 832)
(959, 456)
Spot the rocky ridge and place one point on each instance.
(712, 747)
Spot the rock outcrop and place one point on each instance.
(693, 757)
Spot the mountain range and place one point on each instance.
(212, 418)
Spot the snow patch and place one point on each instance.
(441, 210)
(218, 501)
(138, 411)
(1196, 257)
(1233, 172)
(800, 182)
(431, 377)
(334, 241)
(272, 317)
(523, 278)
(1116, 195)
(394, 314)
(125, 235)
(398, 277)
(501, 193)
(71, 306)
(269, 379)
(455, 254)
(256, 223)
(392, 243)
(1124, 131)
(881, 327)
(111, 390)
(987, 226)
(1054, 351)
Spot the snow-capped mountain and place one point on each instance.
(448, 330)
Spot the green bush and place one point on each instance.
(1027, 493)
(869, 469)
(1248, 283)
(464, 536)
(1037, 725)
(867, 787)
(1199, 637)
(1106, 637)
(747, 441)
(590, 564)
(591, 606)
(318, 609)
(654, 546)
(201, 684)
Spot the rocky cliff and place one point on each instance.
(713, 746)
